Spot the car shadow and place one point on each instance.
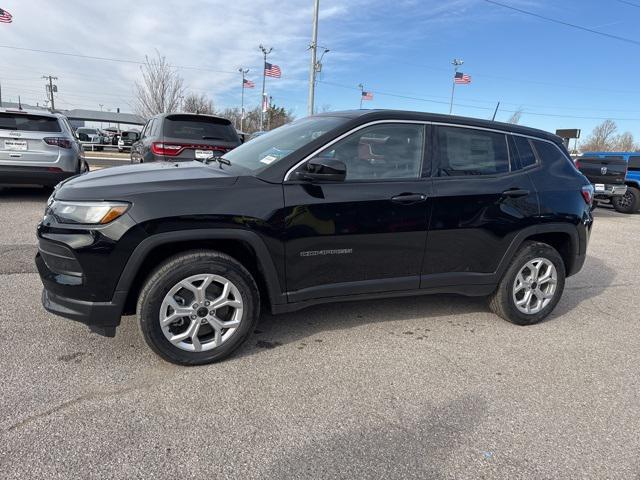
(21, 194)
(304, 326)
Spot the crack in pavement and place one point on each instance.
(82, 398)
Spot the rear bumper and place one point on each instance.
(100, 317)
(16, 175)
(610, 191)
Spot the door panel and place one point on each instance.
(475, 216)
(353, 232)
(366, 234)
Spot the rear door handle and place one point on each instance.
(409, 198)
(515, 192)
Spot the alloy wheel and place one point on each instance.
(535, 286)
(201, 312)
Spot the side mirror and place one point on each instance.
(323, 170)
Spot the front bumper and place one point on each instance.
(100, 317)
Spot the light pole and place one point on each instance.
(314, 53)
(456, 63)
(101, 105)
(265, 52)
(243, 72)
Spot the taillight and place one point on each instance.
(577, 163)
(169, 149)
(58, 141)
(587, 194)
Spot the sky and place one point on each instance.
(401, 51)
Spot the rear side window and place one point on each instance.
(29, 123)
(192, 127)
(634, 162)
(465, 151)
(525, 151)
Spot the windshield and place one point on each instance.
(260, 152)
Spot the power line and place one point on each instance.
(566, 24)
(109, 59)
(527, 112)
(629, 3)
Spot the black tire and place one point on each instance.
(627, 203)
(179, 268)
(83, 167)
(502, 301)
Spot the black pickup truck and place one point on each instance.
(608, 178)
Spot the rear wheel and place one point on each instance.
(532, 285)
(198, 307)
(627, 203)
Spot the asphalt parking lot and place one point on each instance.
(428, 387)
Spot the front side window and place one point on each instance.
(466, 151)
(381, 152)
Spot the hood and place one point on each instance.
(127, 182)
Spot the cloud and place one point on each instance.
(214, 37)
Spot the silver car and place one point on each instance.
(37, 148)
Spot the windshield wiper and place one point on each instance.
(221, 161)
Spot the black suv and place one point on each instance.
(184, 137)
(339, 206)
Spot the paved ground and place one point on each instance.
(430, 387)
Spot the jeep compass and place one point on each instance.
(338, 206)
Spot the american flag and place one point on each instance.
(367, 95)
(272, 70)
(5, 17)
(248, 83)
(462, 78)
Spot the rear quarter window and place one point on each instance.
(191, 127)
(548, 152)
(29, 123)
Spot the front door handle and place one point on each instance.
(515, 192)
(409, 198)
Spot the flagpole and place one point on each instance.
(243, 72)
(361, 87)
(265, 52)
(456, 63)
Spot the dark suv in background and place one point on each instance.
(184, 137)
(338, 206)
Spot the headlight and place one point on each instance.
(91, 213)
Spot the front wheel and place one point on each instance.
(627, 203)
(532, 285)
(198, 307)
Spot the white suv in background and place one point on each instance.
(37, 148)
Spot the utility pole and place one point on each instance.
(51, 79)
(456, 63)
(243, 72)
(314, 52)
(265, 52)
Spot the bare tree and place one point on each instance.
(602, 138)
(515, 117)
(198, 104)
(160, 88)
(624, 142)
(275, 117)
